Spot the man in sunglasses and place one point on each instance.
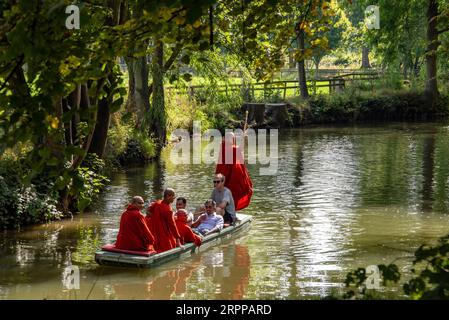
(223, 197)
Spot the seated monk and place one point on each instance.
(186, 233)
(134, 233)
(162, 224)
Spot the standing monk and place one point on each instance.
(162, 224)
(231, 164)
(134, 233)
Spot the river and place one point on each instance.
(343, 197)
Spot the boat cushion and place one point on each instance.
(112, 248)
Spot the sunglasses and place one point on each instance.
(217, 181)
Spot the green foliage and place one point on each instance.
(431, 265)
(342, 61)
(372, 106)
(356, 281)
(118, 137)
(42, 63)
(262, 31)
(19, 204)
(431, 270)
(139, 149)
(146, 144)
(88, 182)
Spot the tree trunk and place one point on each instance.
(141, 92)
(103, 117)
(301, 68)
(74, 101)
(67, 125)
(92, 118)
(416, 67)
(365, 58)
(291, 61)
(100, 135)
(130, 101)
(431, 90)
(157, 111)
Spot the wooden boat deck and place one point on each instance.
(128, 260)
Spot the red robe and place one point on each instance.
(186, 232)
(134, 233)
(236, 174)
(162, 225)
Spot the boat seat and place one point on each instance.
(112, 248)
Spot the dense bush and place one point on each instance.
(139, 149)
(25, 204)
(88, 182)
(37, 201)
(126, 144)
(214, 110)
(381, 106)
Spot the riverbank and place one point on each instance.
(367, 106)
(350, 107)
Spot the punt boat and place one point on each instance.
(109, 255)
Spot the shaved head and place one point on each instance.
(137, 200)
(168, 192)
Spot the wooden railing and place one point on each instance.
(336, 83)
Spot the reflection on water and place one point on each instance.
(343, 198)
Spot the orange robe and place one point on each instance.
(186, 232)
(162, 225)
(237, 178)
(134, 233)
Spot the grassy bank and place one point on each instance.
(384, 105)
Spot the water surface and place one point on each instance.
(343, 198)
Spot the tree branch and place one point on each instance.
(8, 77)
(443, 30)
(168, 64)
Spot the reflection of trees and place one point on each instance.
(87, 243)
(38, 253)
(441, 172)
(401, 169)
(155, 173)
(427, 171)
(297, 182)
(149, 180)
(385, 170)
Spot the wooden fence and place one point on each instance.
(335, 84)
